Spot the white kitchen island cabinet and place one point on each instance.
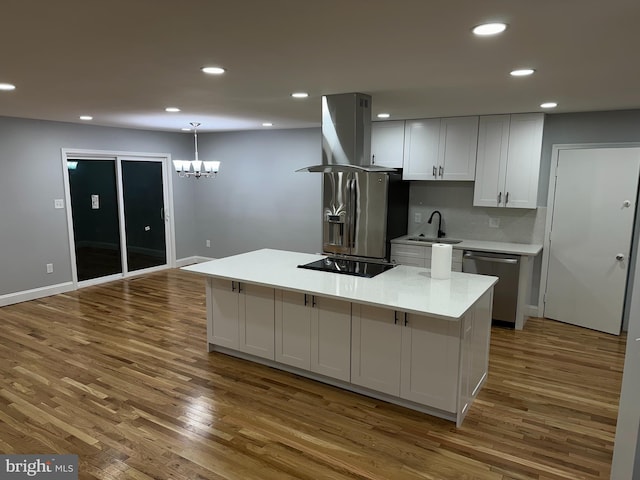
(313, 333)
(400, 336)
(241, 317)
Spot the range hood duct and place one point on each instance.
(346, 135)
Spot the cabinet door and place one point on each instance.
(223, 323)
(457, 148)
(421, 140)
(375, 350)
(387, 144)
(429, 367)
(293, 329)
(523, 167)
(491, 165)
(331, 338)
(256, 320)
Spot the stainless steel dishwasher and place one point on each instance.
(505, 292)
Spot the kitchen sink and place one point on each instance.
(449, 241)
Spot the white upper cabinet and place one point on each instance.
(508, 165)
(440, 149)
(421, 141)
(387, 144)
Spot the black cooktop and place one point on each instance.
(348, 267)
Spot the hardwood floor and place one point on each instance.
(119, 374)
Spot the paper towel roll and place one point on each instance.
(441, 261)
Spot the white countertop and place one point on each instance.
(525, 249)
(402, 288)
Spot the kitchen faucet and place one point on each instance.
(440, 232)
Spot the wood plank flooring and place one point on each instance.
(119, 374)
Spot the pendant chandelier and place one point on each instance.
(196, 168)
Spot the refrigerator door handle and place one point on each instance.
(352, 212)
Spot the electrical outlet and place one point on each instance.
(494, 222)
(417, 217)
(49, 267)
(58, 203)
(208, 243)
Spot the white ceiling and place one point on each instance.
(124, 61)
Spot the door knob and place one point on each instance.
(620, 257)
(626, 203)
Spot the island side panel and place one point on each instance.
(474, 352)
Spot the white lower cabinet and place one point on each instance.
(410, 356)
(420, 256)
(242, 317)
(293, 329)
(376, 349)
(331, 337)
(313, 333)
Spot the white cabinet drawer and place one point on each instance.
(416, 251)
(456, 255)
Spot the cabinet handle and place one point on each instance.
(506, 199)
(435, 172)
(406, 321)
(305, 299)
(441, 170)
(239, 287)
(313, 300)
(499, 198)
(373, 159)
(395, 317)
(233, 286)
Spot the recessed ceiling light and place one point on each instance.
(213, 70)
(172, 109)
(186, 129)
(383, 115)
(300, 95)
(489, 29)
(86, 117)
(267, 124)
(7, 86)
(522, 72)
(549, 105)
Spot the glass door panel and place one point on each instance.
(144, 218)
(94, 205)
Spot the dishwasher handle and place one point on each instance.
(510, 261)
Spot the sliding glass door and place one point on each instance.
(96, 223)
(144, 214)
(118, 213)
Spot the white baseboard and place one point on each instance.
(25, 296)
(531, 311)
(183, 262)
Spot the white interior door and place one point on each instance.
(591, 230)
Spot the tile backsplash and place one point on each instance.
(462, 220)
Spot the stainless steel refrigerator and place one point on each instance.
(362, 212)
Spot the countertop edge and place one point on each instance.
(523, 249)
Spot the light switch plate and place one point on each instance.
(95, 202)
(58, 203)
(417, 217)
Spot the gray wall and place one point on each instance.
(258, 200)
(32, 232)
(591, 127)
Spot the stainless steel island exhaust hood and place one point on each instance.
(346, 135)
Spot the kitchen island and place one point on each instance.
(400, 336)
